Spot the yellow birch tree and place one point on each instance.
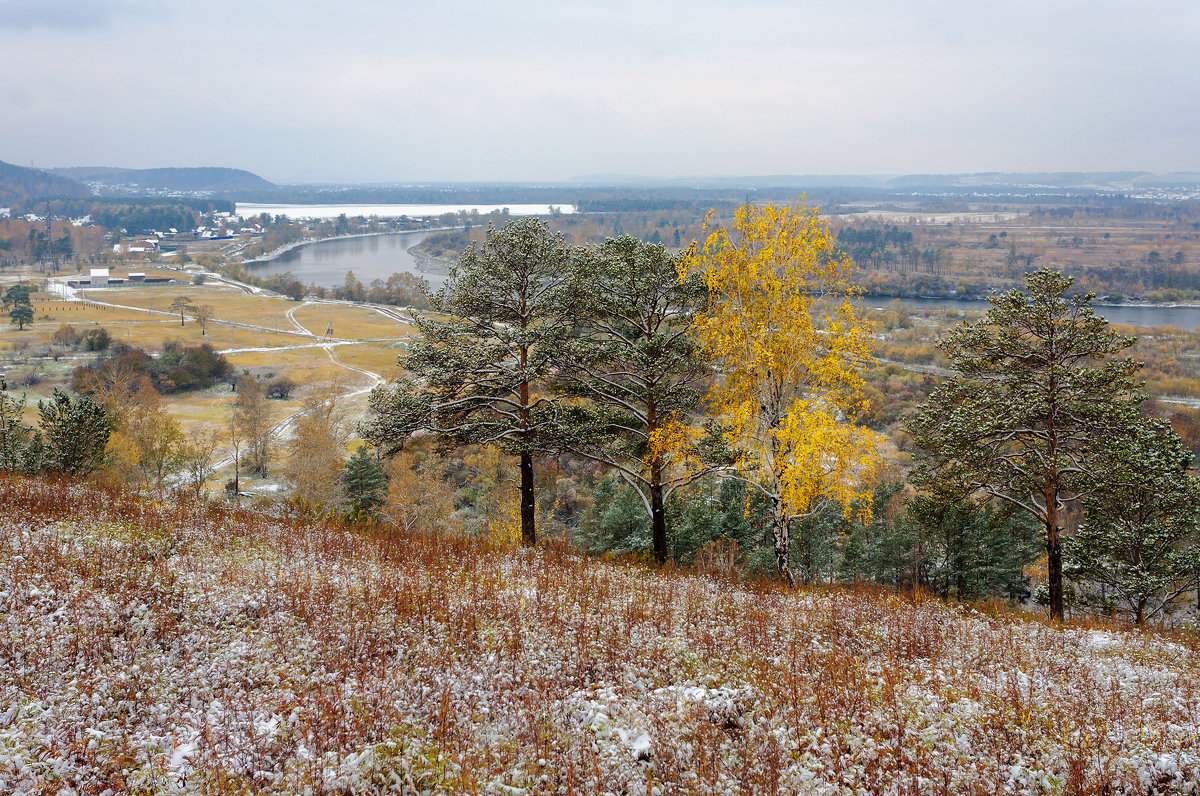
(781, 330)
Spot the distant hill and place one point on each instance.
(166, 181)
(18, 183)
(1172, 180)
(743, 182)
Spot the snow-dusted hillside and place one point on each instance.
(168, 648)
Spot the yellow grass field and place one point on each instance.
(376, 357)
(228, 303)
(36, 366)
(356, 323)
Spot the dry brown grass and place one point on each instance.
(350, 322)
(173, 647)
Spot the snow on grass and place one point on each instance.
(173, 648)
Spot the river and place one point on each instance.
(379, 256)
(250, 209)
(325, 262)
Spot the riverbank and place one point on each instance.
(982, 300)
(276, 253)
(370, 256)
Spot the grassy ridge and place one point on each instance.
(160, 648)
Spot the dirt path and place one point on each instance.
(299, 327)
(280, 431)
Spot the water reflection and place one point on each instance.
(368, 256)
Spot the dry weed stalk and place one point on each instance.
(177, 647)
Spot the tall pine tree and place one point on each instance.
(1038, 400)
(478, 374)
(639, 368)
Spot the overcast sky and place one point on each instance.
(524, 90)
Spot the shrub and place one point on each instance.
(280, 387)
(66, 334)
(97, 339)
(178, 369)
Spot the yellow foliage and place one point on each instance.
(504, 521)
(673, 447)
(146, 442)
(781, 328)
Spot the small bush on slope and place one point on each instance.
(173, 648)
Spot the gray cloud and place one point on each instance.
(378, 90)
(66, 14)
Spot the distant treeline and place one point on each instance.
(587, 199)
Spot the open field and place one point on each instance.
(378, 357)
(169, 648)
(283, 345)
(356, 323)
(228, 303)
(1153, 255)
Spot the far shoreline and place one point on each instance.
(275, 254)
(984, 299)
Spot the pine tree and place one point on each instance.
(638, 367)
(73, 433)
(1037, 401)
(14, 435)
(479, 376)
(21, 314)
(1141, 534)
(364, 483)
(182, 304)
(16, 294)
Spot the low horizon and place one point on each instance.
(650, 180)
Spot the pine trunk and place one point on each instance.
(1054, 554)
(528, 532)
(658, 516)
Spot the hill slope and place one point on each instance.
(18, 183)
(167, 647)
(166, 180)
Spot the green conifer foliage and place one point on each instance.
(365, 484)
(1140, 538)
(1038, 400)
(479, 374)
(74, 434)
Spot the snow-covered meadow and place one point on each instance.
(172, 648)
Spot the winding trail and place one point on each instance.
(281, 430)
(299, 327)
